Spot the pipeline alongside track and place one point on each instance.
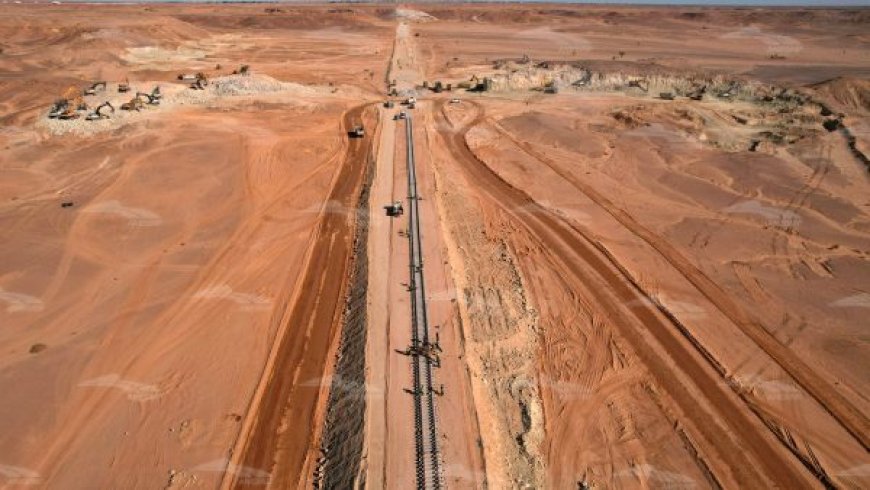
(428, 462)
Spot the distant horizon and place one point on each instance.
(664, 3)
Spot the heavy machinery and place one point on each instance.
(150, 99)
(124, 87)
(697, 92)
(388, 104)
(357, 131)
(98, 112)
(729, 92)
(92, 90)
(68, 104)
(243, 70)
(155, 96)
(666, 95)
(585, 80)
(200, 82)
(72, 108)
(135, 104)
(394, 210)
(640, 84)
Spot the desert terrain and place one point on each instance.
(645, 234)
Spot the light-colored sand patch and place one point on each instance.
(17, 475)
(135, 216)
(414, 15)
(772, 43)
(773, 215)
(135, 391)
(244, 475)
(19, 302)
(157, 57)
(860, 300)
(247, 302)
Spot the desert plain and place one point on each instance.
(645, 230)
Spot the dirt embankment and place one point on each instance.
(499, 327)
(310, 331)
(342, 439)
(693, 388)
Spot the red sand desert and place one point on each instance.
(645, 231)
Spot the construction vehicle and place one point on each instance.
(640, 84)
(135, 104)
(394, 210)
(58, 107)
(388, 104)
(455, 101)
(243, 70)
(729, 92)
(148, 98)
(98, 114)
(155, 95)
(92, 90)
(666, 95)
(697, 93)
(357, 131)
(69, 112)
(584, 80)
(68, 104)
(200, 82)
(124, 87)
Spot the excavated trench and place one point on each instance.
(343, 431)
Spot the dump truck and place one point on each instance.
(394, 209)
(357, 131)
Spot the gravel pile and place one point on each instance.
(251, 85)
(179, 95)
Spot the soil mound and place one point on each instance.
(849, 93)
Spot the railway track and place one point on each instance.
(428, 462)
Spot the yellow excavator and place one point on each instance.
(138, 102)
(135, 104)
(67, 106)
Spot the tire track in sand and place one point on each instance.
(846, 414)
(753, 457)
